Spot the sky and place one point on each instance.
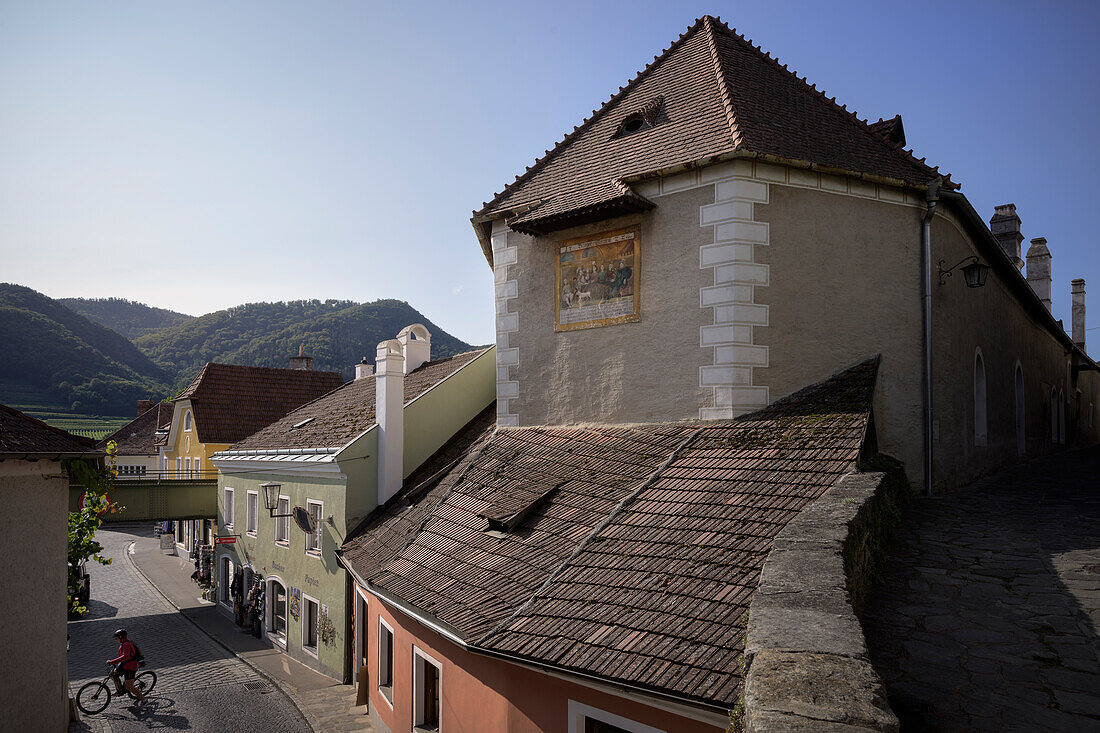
(200, 155)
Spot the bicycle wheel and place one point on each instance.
(93, 698)
(145, 681)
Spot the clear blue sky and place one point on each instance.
(200, 155)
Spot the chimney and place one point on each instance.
(364, 369)
(302, 361)
(143, 405)
(416, 342)
(1038, 269)
(1077, 295)
(389, 413)
(1005, 226)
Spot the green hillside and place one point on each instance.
(60, 358)
(336, 333)
(123, 316)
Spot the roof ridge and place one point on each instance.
(906, 153)
(548, 155)
(724, 87)
(583, 544)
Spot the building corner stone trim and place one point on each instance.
(505, 288)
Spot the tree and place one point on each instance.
(84, 524)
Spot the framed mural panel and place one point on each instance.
(596, 280)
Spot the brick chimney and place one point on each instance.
(364, 369)
(302, 361)
(143, 405)
(1038, 269)
(1005, 226)
(416, 343)
(389, 413)
(1077, 296)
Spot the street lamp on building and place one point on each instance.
(974, 272)
(271, 498)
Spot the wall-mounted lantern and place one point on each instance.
(974, 272)
(271, 498)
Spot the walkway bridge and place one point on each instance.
(159, 495)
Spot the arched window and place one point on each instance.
(187, 421)
(1053, 415)
(1021, 432)
(1061, 417)
(980, 434)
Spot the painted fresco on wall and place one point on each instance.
(597, 280)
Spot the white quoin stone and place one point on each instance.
(416, 342)
(364, 369)
(389, 413)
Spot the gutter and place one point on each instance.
(932, 200)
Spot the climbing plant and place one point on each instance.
(84, 523)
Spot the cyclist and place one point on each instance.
(126, 665)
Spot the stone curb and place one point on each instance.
(284, 688)
(806, 662)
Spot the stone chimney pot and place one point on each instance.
(1077, 296)
(301, 361)
(364, 369)
(1005, 226)
(143, 405)
(389, 413)
(1039, 269)
(416, 342)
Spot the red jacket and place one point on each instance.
(126, 654)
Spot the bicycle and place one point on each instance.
(94, 697)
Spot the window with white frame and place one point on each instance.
(187, 421)
(179, 468)
(282, 524)
(427, 686)
(313, 540)
(310, 617)
(587, 719)
(198, 468)
(385, 660)
(251, 508)
(227, 512)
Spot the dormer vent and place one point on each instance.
(650, 115)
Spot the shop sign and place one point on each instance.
(225, 540)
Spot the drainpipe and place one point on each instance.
(932, 199)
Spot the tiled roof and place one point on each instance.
(722, 96)
(21, 434)
(231, 401)
(139, 436)
(338, 417)
(641, 545)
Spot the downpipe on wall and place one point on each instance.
(932, 198)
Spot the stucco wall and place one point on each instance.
(33, 542)
(484, 694)
(991, 319)
(845, 285)
(318, 577)
(630, 372)
(187, 444)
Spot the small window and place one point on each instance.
(227, 511)
(282, 524)
(385, 661)
(310, 617)
(587, 719)
(314, 540)
(252, 507)
(187, 421)
(426, 689)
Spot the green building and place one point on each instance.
(338, 458)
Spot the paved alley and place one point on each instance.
(200, 686)
(988, 613)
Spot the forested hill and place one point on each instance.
(53, 355)
(336, 333)
(127, 317)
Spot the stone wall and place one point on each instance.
(806, 661)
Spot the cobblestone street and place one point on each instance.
(200, 686)
(988, 614)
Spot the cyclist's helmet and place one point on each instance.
(121, 634)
